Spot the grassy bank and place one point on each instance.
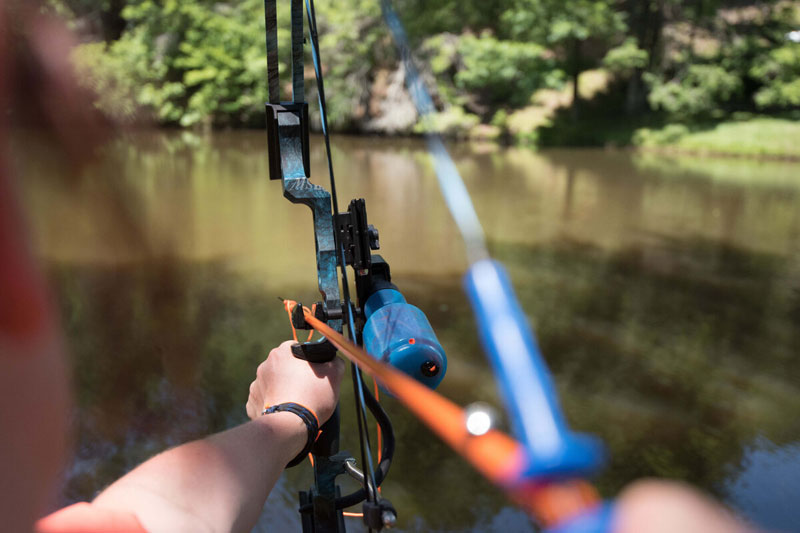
(549, 121)
(757, 136)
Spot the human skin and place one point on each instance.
(34, 398)
(657, 506)
(235, 469)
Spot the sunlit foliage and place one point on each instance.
(202, 63)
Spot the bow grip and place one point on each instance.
(321, 351)
(524, 380)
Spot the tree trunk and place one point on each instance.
(635, 95)
(576, 74)
(112, 22)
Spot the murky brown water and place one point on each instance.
(665, 293)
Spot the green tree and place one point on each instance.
(735, 58)
(699, 92)
(579, 31)
(424, 18)
(190, 63)
(779, 73)
(354, 45)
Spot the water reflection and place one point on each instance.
(666, 297)
(768, 484)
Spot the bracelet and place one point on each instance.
(309, 419)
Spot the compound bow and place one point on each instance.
(342, 239)
(541, 469)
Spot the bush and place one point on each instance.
(779, 72)
(110, 77)
(353, 47)
(702, 90)
(667, 135)
(626, 58)
(453, 122)
(186, 62)
(502, 72)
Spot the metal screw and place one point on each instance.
(389, 519)
(374, 238)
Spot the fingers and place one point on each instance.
(284, 349)
(338, 369)
(661, 506)
(282, 377)
(255, 400)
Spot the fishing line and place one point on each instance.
(452, 185)
(497, 456)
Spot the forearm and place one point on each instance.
(218, 483)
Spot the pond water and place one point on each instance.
(665, 293)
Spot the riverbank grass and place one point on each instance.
(757, 136)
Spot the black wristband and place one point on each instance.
(309, 419)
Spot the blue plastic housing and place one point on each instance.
(524, 380)
(399, 334)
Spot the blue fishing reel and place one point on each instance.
(393, 331)
(399, 334)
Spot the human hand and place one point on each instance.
(283, 378)
(655, 506)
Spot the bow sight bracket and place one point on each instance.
(357, 237)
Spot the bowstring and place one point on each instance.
(370, 486)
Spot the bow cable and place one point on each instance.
(370, 486)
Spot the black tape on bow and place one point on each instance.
(287, 122)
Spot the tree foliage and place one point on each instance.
(701, 90)
(202, 62)
(626, 58)
(743, 61)
(779, 74)
(188, 63)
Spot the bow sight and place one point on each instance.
(381, 320)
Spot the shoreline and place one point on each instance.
(670, 150)
(667, 149)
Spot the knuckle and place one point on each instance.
(285, 348)
(339, 367)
